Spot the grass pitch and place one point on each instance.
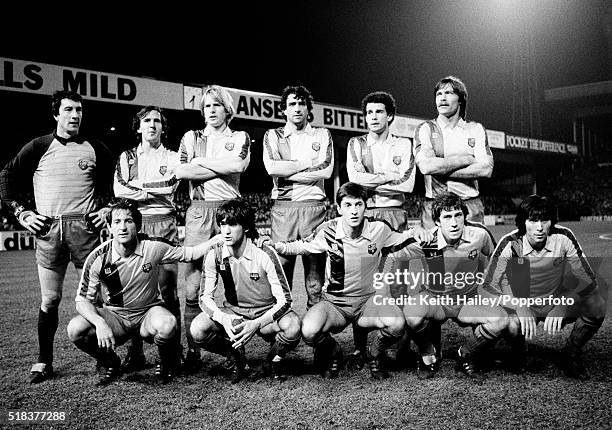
(541, 398)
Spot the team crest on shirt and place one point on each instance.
(108, 271)
(471, 142)
(473, 254)
(520, 260)
(229, 145)
(372, 248)
(397, 160)
(131, 161)
(316, 146)
(334, 247)
(557, 261)
(83, 164)
(254, 276)
(146, 267)
(163, 170)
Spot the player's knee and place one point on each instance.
(497, 323)
(76, 329)
(191, 291)
(291, 327)
(200, 327)
(594, 306)
(165, 325)
(413, 322)
(394, 324)
(310, 331)
(50, 300)
(513, 326)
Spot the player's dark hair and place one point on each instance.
(300, 92)
(144, 112)
(459, 88)
(535, 208)
(127, 204)
(380, 97)
(351, 189)
(58, 96)
(238, 211)
(447, 202)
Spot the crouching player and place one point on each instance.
(354, 246)
(257, 295)
(534, 262)
(123, 272)
(454, 263)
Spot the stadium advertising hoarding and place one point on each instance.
(496, 139)
(22, 240)
(266, 107)
(41, 78)
(538, 145)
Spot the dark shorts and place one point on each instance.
(351, 308)
(200, 222)
(124, 323)
(393, 215)
(247, 313)
(160, 226)
(296, 220)
(68, 239)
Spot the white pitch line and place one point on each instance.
(607, 236)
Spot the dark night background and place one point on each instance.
(506, 52)
(342, 50)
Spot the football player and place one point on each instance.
(384, 163)
(257, 295)
(71, 175)
(299, 157)
(454, 264)
(212, 159)
(142, 174)
(124, 273)
(354, 246)
(544, 262)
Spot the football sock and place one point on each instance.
(360, 338)
(166, 348)
(216, 344)
(89, 345)
(482, 338)
(323, 344)
(192, 310)
(422, 338)
(382, 341)
(583, 331)
(135, 348)
(435, 334)
(282, 345)
(47, 326)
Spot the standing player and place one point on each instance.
(123, 272)
(452, 153)
(299, 157)
(384, 163)
(534, 262)
(257, 295)
(212, 159)
(454, 260)
(354, 246)
(142, 174)
(71, 175)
